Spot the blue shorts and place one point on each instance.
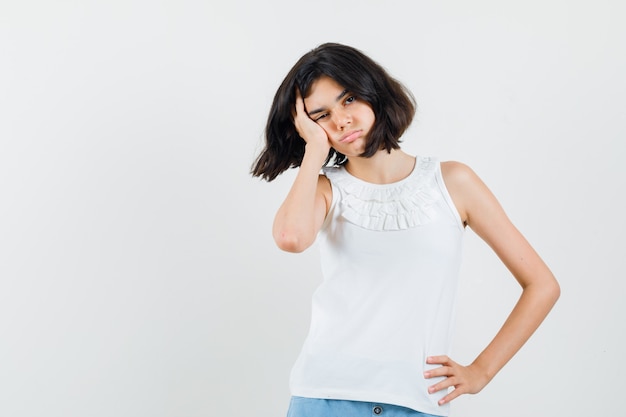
(316, 407)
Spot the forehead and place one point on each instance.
(324, 89)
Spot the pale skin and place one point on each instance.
(331, 117)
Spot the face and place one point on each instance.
(346, 119)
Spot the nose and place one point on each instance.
(341, 118)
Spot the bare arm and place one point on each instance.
(301, 215)
(481, 211)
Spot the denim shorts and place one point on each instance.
(316, 407)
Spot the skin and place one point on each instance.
(334, 115)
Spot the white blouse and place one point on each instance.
(390, 257)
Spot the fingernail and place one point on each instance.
(426, 374)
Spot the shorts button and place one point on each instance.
(378, 410)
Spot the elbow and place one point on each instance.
(552, 291)
(290, 242)
(555, 291)
(546, 291)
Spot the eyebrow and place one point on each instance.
(321, 109)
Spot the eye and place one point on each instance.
(320, 117)
(350, 99)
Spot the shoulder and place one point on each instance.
(459, 176)
(465, 187)
(324, 191)
(455, 171)
(331, 176)
(323, 183)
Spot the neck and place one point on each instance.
(382, 167)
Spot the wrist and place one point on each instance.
(315, 154)
(482, 371)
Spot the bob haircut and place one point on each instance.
(393, 106)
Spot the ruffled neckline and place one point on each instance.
(396, 206)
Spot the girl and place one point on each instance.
(389, 226)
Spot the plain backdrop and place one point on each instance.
(138, 276)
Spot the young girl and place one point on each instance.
(389, 226)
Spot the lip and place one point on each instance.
(350, 136)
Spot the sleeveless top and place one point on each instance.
(390, 257)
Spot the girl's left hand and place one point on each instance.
(464, 379)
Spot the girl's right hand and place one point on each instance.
(312, 133)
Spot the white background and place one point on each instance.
(138, 276)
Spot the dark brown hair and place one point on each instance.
(393, 106)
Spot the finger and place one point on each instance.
(438, 360)
(451, 396)
(445, 384)
(437, 372)
(299, 103)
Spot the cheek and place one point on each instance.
(327, 128)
